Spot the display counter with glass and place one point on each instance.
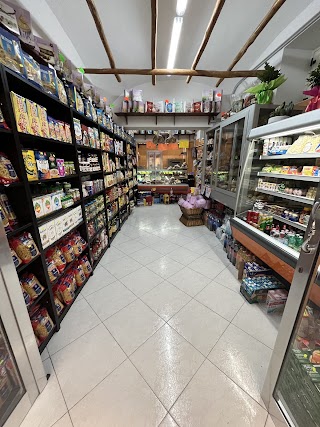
(171, 176)
(277, 190)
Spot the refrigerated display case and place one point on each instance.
(22, 375)
(230, 145)
(278, 218)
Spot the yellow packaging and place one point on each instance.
(20, 112)
(34, 122)
(30, 165)
(43, 121)
(307, 170)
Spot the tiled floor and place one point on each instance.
(160, 336)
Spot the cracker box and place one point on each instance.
(51, 230)
(70, 217)
(34, 121)
(77, 212)
(65, 223)
(59, 227)
(30, 165)
(46, 203)
(43, 231)
(20, 112)
(38, 207)
(44, 126)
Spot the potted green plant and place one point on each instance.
(283, 111)
(270, 79)
(314, 82)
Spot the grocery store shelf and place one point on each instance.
(67, 307)
(24, 266)
(294, 177)
(291, 156)
(299, 199)
(57, 213)
(96, 233)
(63, 237)
(35, 140)
(86, 147)
(60, 178)
(92, 195)
(91, 173)
(18, 230)
(291, 223)
(68, 266)
(38, 299)
(96, 262)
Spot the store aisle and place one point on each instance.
(159, 336)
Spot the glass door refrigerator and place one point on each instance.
(280, 187)
(22, 376)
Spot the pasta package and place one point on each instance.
(34, 121)
(31, 285)
(42, 164)
(58, 304)
(8, 210)
(7, 173)
(53, 272)
(41, 323)
(20, 112)
(30, 165)
(16, 260)
(25, 247)
(43, 121)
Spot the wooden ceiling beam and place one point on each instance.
(215, 15)
(102, 35)
(175, 72)
(274, 9)
(154, 25)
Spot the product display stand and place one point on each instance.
(20, 193)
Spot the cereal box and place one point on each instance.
(62, 132)
(57, 129)
(34, 121)
(52, 128)
(30, 164)
(68, 133)
(43, 121)
(20, 112)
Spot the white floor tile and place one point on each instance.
(111, 299)
(123, 399)
(79, 320)
(228, 278)
(189, 281)
(184, 255)
(221, 300)
(166, 300)
(167, 362)
(146, 255)
(79, 369)
(207, 267)
(100, 279)
(166, 247)
(65, 421)
(249, 368)
(112, 254)
(212, 399)
(168, 422)
(253, 319)
(130, 246)
(165, 267)
(199, 246)
(181, 240)
(121, 267)
(141, 281)
(199, 325)
(50, 405)
(120, 239)
(133, 325)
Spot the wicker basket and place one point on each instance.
(191, 212)
(191, 222)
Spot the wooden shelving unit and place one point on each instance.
(20, 194)
(210, 116)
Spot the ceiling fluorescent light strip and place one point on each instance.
(181, 7)
(175, 37)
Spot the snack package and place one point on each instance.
(67, 131)
(57, 130)
(5, 221)
(71, 93)
(52, 269)
(65, 291)
(8, 210)
(60, 166)
(87, 108)
(86, 266)
(52, 128)
(79, 103)
(58, 304)
(31, 285)
(85, 136)
(42, 164)
(62, 92)
(20, 112)
(77, 130)
(53, 169)
(10, 52)
(62, 131)
(41, 323)
(68, 252)
(43, 121)
(24, 247)
(79, 275)
(48, 78)
(26, 296)
(91, 137)
(34, 121)
(7, 173)
(32, 69)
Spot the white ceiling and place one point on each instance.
(127, 25)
